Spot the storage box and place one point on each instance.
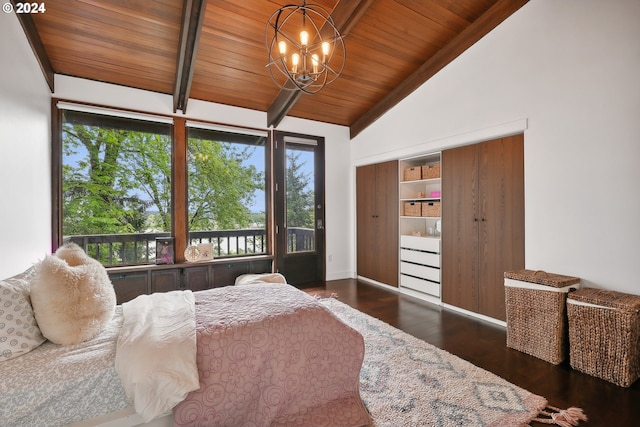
(537, 314)
(604, 334)
(412, 209)
(412, 174)
(431, 209)
(431, 171)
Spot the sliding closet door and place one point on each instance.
(501, 212)
(377, 222)
(365, 220)
(482, 223)
(387, 224)
(460, 227)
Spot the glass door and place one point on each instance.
(299, 207)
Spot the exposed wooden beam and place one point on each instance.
(192, 19)
(29, 28)
(345, 14)
(280, 106)
(474, 32)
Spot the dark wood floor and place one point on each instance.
(484, 344)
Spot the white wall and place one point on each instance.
(567, 71)
(25, 189)
(339, 217)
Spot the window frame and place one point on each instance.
(198, 126)
(179, 175)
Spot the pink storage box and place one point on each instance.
(435, 194)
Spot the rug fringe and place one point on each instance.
(562, 417)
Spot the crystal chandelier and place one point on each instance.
(305, 48)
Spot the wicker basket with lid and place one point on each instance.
(412, 174)
(412, 209)
(604, 334)
(537, 314)
(431, 171)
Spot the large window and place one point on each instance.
(117, 178)
(116, 186)
(227, 204)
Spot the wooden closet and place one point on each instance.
(377, 222)
(482, 223)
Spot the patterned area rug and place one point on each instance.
(405, 381)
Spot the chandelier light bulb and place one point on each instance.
(304, 38)
(326, 47)
(282, 46)
(295, 59)
(314, 61)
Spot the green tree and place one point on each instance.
(221, 187)
(145, 169)
(119, 176)
(300, 195)
(95, 197)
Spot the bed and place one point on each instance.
(267, 354)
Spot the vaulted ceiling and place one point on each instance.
(214, 50)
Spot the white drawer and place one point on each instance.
(420, 285)
(430, 244)
(426, 258)
(420, 271)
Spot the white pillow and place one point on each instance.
(72, 296)
(250, 279)
(19, 332)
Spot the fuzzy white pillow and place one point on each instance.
(72, 296)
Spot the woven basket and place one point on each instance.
(536, 313)
(604, 334)
(431, 209)
(431, 171)
(412, 174)
(412, 209)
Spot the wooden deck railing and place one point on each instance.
(133, 249)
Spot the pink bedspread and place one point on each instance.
(271, 355)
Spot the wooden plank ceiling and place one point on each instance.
(214, 50)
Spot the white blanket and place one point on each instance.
(156, 351)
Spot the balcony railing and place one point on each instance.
(134, 249)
